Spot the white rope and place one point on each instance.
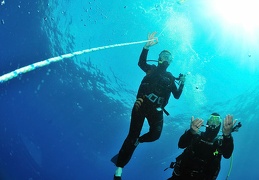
(25, 69)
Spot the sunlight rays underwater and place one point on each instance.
(178, 32)
(173, 22)
(239, 28)
(177, 28)
(74, 25)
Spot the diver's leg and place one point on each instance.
(155, 121)
(129, 145)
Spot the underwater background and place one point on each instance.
(66, 120)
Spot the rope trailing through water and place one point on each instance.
(31, 67)
(230, 167)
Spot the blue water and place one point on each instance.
(66, 120)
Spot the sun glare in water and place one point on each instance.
(238, 14)
(239, 25)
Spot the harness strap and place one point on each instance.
(157, 100)
(165, 111)
(172, 165)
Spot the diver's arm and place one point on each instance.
(192, 133)
(177, 91)
(227, 146)
(142, 63)
(227, 143)
(186, 139)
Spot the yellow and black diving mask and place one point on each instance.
(165, 56)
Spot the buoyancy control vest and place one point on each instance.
(201, 159)
(157, 82)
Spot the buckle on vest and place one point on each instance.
(152, 97)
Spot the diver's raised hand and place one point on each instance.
(195, 125)
(152, 40)
(182, 78)
(228, 125)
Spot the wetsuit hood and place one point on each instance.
(213, 126)
(165, 58)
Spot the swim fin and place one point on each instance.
(114, 159)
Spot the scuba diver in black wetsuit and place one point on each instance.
(203, 151)
(152, 97)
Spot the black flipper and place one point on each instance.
(114, 159)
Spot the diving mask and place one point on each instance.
(214, 121)
(165, 56)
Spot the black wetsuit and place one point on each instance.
(201, 158)
(154, 90)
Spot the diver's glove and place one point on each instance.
(228, 125)
(182, 78)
